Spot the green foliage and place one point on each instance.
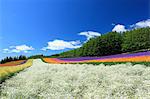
(35, 56)
(9, 59)
(55, 55)
(113, 43)
(115, 63)
(136, 40)
(106, 44)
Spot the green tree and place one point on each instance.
(136, 40)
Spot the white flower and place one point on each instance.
(61, 81)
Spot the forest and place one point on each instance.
(112, 43)
(16, 58)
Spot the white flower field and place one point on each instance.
(76, 81)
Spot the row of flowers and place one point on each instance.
(14, 63)
(135, 57)
(6, 71)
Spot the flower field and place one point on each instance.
(79, 81)
(6, 71)
(13, 63)
(135, 57)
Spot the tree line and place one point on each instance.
(36, 56)
(16, 58)
(112, 43)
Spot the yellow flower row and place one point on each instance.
(125, 59)
(6, 71)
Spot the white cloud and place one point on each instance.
(90, 34)
(119, 28)
(11, 46)
(24, 48)
(61, 44)
(141, 24)
(17, 49)
(5, 50)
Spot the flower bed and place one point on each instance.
(14, 63)
(7, 71)
(135, 57)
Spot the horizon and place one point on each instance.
(30, 27)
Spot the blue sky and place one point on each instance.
(28, 25)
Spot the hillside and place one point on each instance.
(112, 43)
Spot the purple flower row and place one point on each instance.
(23, 62)
(106, 57)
